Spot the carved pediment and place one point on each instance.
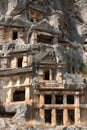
(49, 57)
(45, 26)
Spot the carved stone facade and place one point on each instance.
(33, 64)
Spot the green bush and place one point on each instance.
(84, 68)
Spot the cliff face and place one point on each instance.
(73, 19)
(71, 14)
(79, 21)
(69, 18)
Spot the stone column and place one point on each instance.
(50, 74)
(4, 63)
(33, 39)
(53, 113)
(24, 63)
(10, 83)
(30, 60)
(1, 33)
(9, 96)
(83, 115)
(41, 74)
(77, 110)
(14, 63)
(27, 80)
(59, 76)
(27, 93)
(18, 81)
(41, 106)
(65, 112)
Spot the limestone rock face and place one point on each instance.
(84, 10)
(3, 6)
(71, 16)
(62, 22)
(79, 21)
(21, 111)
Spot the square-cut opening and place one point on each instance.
(59, 99)
(70, 99)
(19, 95)
(48, 99)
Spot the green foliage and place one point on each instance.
(84, 68)
(40, 2)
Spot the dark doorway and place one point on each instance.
(69, 67)
(20, 62)
(70, 99)
(15, 35)
(59, 117)
(7, 114)
(59, 99)
(73, 69)
(71, 116)
(46, 75)
(48, 99)
(44, 39)
(47, 116)
(19, 95)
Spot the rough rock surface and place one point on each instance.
(71, 20)
(20, 111)
(7, 124)
(71, 14)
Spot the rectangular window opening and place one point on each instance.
(59, 117)
(19, 95)
(47, 116)
(59, 99)
(46, 75)
(70, 99)
(71, 116)
(20, 62)
(48, 99)
(15, 35)
(44, 39)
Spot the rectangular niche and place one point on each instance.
(59, 99)
(48, 116)
(59, 116)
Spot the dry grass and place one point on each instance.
(83, 75)
(37, 123)
(83, 123)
